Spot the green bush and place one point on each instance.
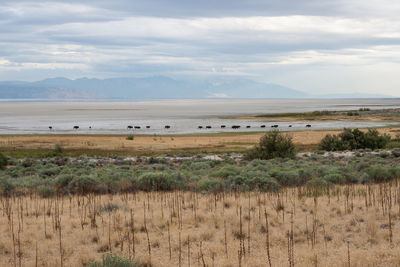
(110, 260)
(335, 178)
(273, 144)
(6, 186)
(83, 184)
(226, 171)
(378, 174)
(159, 181)
(287, 177)
(3, 161)
(45, 191)
(354, 139)
(130, 137)
(58, 149)
(63, 180)
(210, 185)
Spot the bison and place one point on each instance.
(223, 126)
(167, 126)
(130, 127)
(235, 126)
(76, 127)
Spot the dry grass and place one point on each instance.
(318, 233)
(147, 143)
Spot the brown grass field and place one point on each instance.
(221, 142)
(346, 226)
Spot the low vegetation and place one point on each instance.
(110, 260)
(351, 139)
(58, 175)
(360, 114)
(273, 144)
(269, 208)
(3, 161)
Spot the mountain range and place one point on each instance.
(155, 87)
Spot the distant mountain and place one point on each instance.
(156, 87)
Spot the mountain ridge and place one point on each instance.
(153, 87)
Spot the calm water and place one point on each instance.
(184, 116)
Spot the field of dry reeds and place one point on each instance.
(343, 225)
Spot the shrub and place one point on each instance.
(263, 183)
(63, 180)
(354, 139)
(158, 181)
(335, 178)
(130, 137)
(210, 185)
(83, 184)
(49, 171)
(378, 174)
(6, 186)
(226, 171)
(3, 161)
(273, 144)
(58, 149)
(45, 191)
(287, 177)
(110, 260)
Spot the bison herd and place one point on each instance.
(131, 127)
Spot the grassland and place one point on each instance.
(117, 145)
(68, 205)
(321, 210)
(350, 226)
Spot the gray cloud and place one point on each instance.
(273, 41)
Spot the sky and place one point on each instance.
(316, 46)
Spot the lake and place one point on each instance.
(184, 116)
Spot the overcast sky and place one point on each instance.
(317, 46)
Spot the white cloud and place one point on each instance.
(291, 48)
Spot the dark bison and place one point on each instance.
(76, 127)
(147, 127)
(262, 126)
(275, 126)
(50, 127)
(223, 126)
(290, 126)
(90, 127)
(200, 127)
(235, 126)
(308, 125)
(167, 126)
(137, 127)
(130, 127)
(208, 127)
(248, 126)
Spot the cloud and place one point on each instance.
(273, 41)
